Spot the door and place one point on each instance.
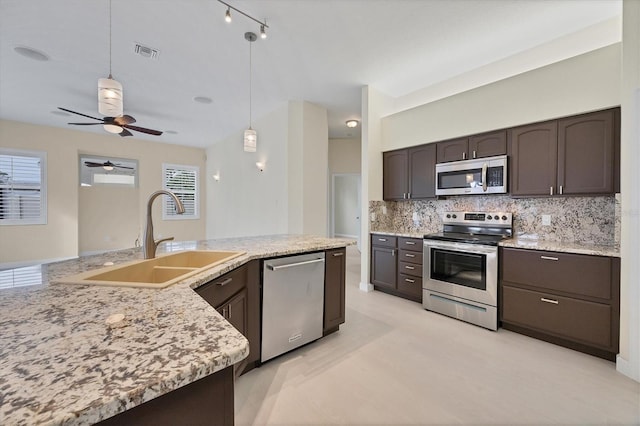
(346, 202)
(422, 171)
(586, 154)
(395, 185)
(534, 157)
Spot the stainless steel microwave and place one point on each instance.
(478, 176)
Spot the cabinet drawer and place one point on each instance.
(410, 256)
(383, 240)
(577, 320)
(410, 285)
(570, 273)
(414, 244)
(410, 269)
(217, 291)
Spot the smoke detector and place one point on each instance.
(146, 51)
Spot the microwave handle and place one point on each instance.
(484, 177)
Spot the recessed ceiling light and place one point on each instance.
(171, 132)
(203, 99)
(61, 113)
(30, 53)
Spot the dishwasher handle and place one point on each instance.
(291, 265)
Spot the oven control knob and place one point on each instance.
(448, 216)
(489, 217)
(454, 216)
(504, 218)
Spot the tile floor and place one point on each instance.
(394, 363)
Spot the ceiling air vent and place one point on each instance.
(146, 51)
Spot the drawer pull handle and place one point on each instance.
(410, 243)
(549, 258)
(409, 267)
(224, 282)
(544, 299)
(384, 240)
(409, 280)
(338, 254)
(410, 255)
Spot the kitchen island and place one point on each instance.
(62, 361)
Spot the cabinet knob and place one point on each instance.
(474, 154)
(464, 155)
(410, 255)
(409, 267)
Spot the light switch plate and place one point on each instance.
(546, 219)
(384, 209)
(373, 217)
(415, 216)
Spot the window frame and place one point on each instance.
(166, 199)
(42, 156)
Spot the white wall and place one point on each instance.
(345, 155)
(584, 83)
(59, 237)
(628, 361)
(290, 195)
(246, 201)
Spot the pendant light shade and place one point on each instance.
(109, 97)
(250, 140)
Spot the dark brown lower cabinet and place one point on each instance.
(208, 401)
(334, 290)
(396, 266)
(571, 300)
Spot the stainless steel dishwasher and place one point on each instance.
(292, 302)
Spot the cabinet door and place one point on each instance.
(237, 311)
(383, 267)
(488, 144)
(395, 175)
(422, 172)
(533, 154)
(334, 288)
(453, 150)
(586, 154)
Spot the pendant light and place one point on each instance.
(250, 135)
(110, 91)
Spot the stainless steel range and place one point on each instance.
(460, 276)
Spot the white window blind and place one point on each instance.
(23, 194)
(182, 181)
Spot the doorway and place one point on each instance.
(346, 199)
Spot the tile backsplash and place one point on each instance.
(589, 220)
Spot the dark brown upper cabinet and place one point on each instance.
(571, 156)
(409, 173)
(478, 146)
(586, 154)
(533, 154)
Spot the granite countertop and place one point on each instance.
(61, 363)
(533, 243)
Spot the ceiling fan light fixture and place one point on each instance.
(110, 97)
(352, 123)
(107, 168)
(112, 128)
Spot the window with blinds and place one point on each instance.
(23, 194)
(182, 181)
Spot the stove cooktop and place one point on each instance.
(459, 237)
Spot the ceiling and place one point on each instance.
(321, 51)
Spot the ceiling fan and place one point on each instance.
(107, 165)
(121, 124)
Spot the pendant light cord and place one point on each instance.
(110, 39)
(250, 43)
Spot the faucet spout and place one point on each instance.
(150, 244)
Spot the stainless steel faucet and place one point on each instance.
(149, 246)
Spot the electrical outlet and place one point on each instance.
(384, 210)
(373, 217)
(415, 216)
(546, 219)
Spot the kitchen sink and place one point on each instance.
(159, 272)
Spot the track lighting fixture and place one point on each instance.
(227, 18)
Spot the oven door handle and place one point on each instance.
(462, 249)
(484, 177)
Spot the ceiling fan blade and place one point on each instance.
(125, 132)
(125, 119)
(122, 167)
(79, 113)
(84, 124)
(92, 164)
(143, 130)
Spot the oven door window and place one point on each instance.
(465, 269)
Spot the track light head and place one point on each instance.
(227, 15)
(263, 33)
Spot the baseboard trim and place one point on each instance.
(366, 287)
(624, 367)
